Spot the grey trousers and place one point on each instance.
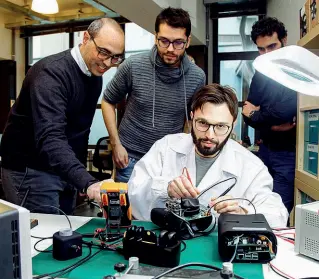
(41, 190)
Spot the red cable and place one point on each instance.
(281, 271)
(285, 234)
(286, 239)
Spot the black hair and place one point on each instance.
(174, 17)
(267, 27)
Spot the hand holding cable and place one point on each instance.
(226, 204)
(182, 187)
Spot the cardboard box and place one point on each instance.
(304, 17)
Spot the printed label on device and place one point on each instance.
(312, 148)
(313, 116)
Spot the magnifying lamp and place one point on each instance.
(294, 67)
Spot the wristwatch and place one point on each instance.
(251, 113)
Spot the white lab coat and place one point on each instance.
(166, 159)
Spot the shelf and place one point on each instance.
(309, 179)
(310, 40)
(309, 108)
(305, 188)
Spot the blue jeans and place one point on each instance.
(44, 189)
(123, 175)
(281, 166)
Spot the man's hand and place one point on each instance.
(248, 108)
(94, 190)
(283, 127)
(220, 205)
(181, 187)
(120, 156)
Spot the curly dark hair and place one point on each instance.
(174, 17)
(267, 27)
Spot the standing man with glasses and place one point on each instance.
(210, 157)
(159, 85)
(44, 145)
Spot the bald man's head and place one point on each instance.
(103, 45)
(109, 23)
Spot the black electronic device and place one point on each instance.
(186, 216)
(116, 207)
(246, 238)
(163, 250)
(67, 245)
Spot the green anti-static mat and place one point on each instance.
(202, 249)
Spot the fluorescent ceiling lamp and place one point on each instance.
(294, 67)
(45, 6)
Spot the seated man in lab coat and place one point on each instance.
(209, 157)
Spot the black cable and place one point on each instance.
(60, 272)
(229, 188)
(28, 190)
(285, 237)
(51, 206)
(41, 237)
(277, 272)
(100, 246)
(64, 269)
(190, 264)
(88, 235)
(88, 257)
(212, 186)
(26, 193)
(42, 251)
(232, 200)
(184, 248)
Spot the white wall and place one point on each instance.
(5, 35)
(137, 38)
(197, 12)
(287, 11)
(6, 47)
(144, 12)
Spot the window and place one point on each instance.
(45, 45)
(234, 52)
(238, 75)
(234, 34)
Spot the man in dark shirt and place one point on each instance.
(44, 145)
(271, 108)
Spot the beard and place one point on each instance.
(171, 61)
(208, 151)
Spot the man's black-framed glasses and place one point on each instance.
(103, 54)
(177, 44)
(219, 129)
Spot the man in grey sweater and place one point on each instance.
(159, 86)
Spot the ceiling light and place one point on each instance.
(45, 6)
